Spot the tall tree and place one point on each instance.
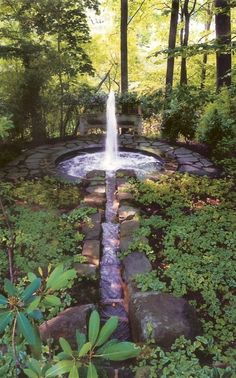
(124, 46)
(184, 35)
(223, 36)
(172, 42)
(209, 15)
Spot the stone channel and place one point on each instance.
(166, 313)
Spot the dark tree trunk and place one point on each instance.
(32, 106)
(205, 55)
(184, 37)
(223, 36)
(171, 43)
(124, 46)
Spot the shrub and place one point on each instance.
(217, 127)
(182, 111)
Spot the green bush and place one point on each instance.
(217, 127)
(181, 113)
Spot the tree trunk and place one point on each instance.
(183, 70)
(171, 43)
(124, 46)
(223, 36)
(184, 37)
(205, 55)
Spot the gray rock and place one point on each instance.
(127, 212)
(96, 189)
(95, 200)
(87, 270)
(169, 318)
(135, 263)
(128, 227)
(66, 323)
(91, 249)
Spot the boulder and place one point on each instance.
(66, 323)
(166, 316)
(128, 227)
(135, 263)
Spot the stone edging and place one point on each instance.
(41, 161)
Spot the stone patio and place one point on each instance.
(41, 160)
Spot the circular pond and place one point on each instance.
(78, 166)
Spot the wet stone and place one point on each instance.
(91, 250)
(94, 174)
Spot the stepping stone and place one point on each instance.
(96, 189)
(127, 213)
(87, 270)
(91, 249)
(95, 200)
(135, 263)
(128, 227)
(94, 228)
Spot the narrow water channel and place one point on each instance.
(112, 296)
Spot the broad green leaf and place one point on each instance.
(119, 351)
(107, 330)
(65, 346)
(62, 280)
(60, 368)
(92, 372)
(63, 356)
(108, 344)
(3, 300)
(26, 328)
(10, 288)
(31, 289)
(52, 300)
(56, 273)
(30, 373)
(85, 349)
(31, 276)
(34, 304)
(36, 314)
(94, 326)
(74, 372)
(5, 318)
(80, 338)
(34, 365)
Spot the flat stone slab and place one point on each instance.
(94, 200)
(86, 270)
(128, 227)
(135, 263)
(91, 250)
(96, 189)
(126, 212)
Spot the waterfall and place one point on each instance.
(111, 151)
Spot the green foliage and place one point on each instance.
(150, 281)
(181, 112)
(22, 306)
(40, 236)
(217, 128)
(98, 347)
(193, 241)
(6, 124)
(181, 361)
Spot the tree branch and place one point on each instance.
(136, 12)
